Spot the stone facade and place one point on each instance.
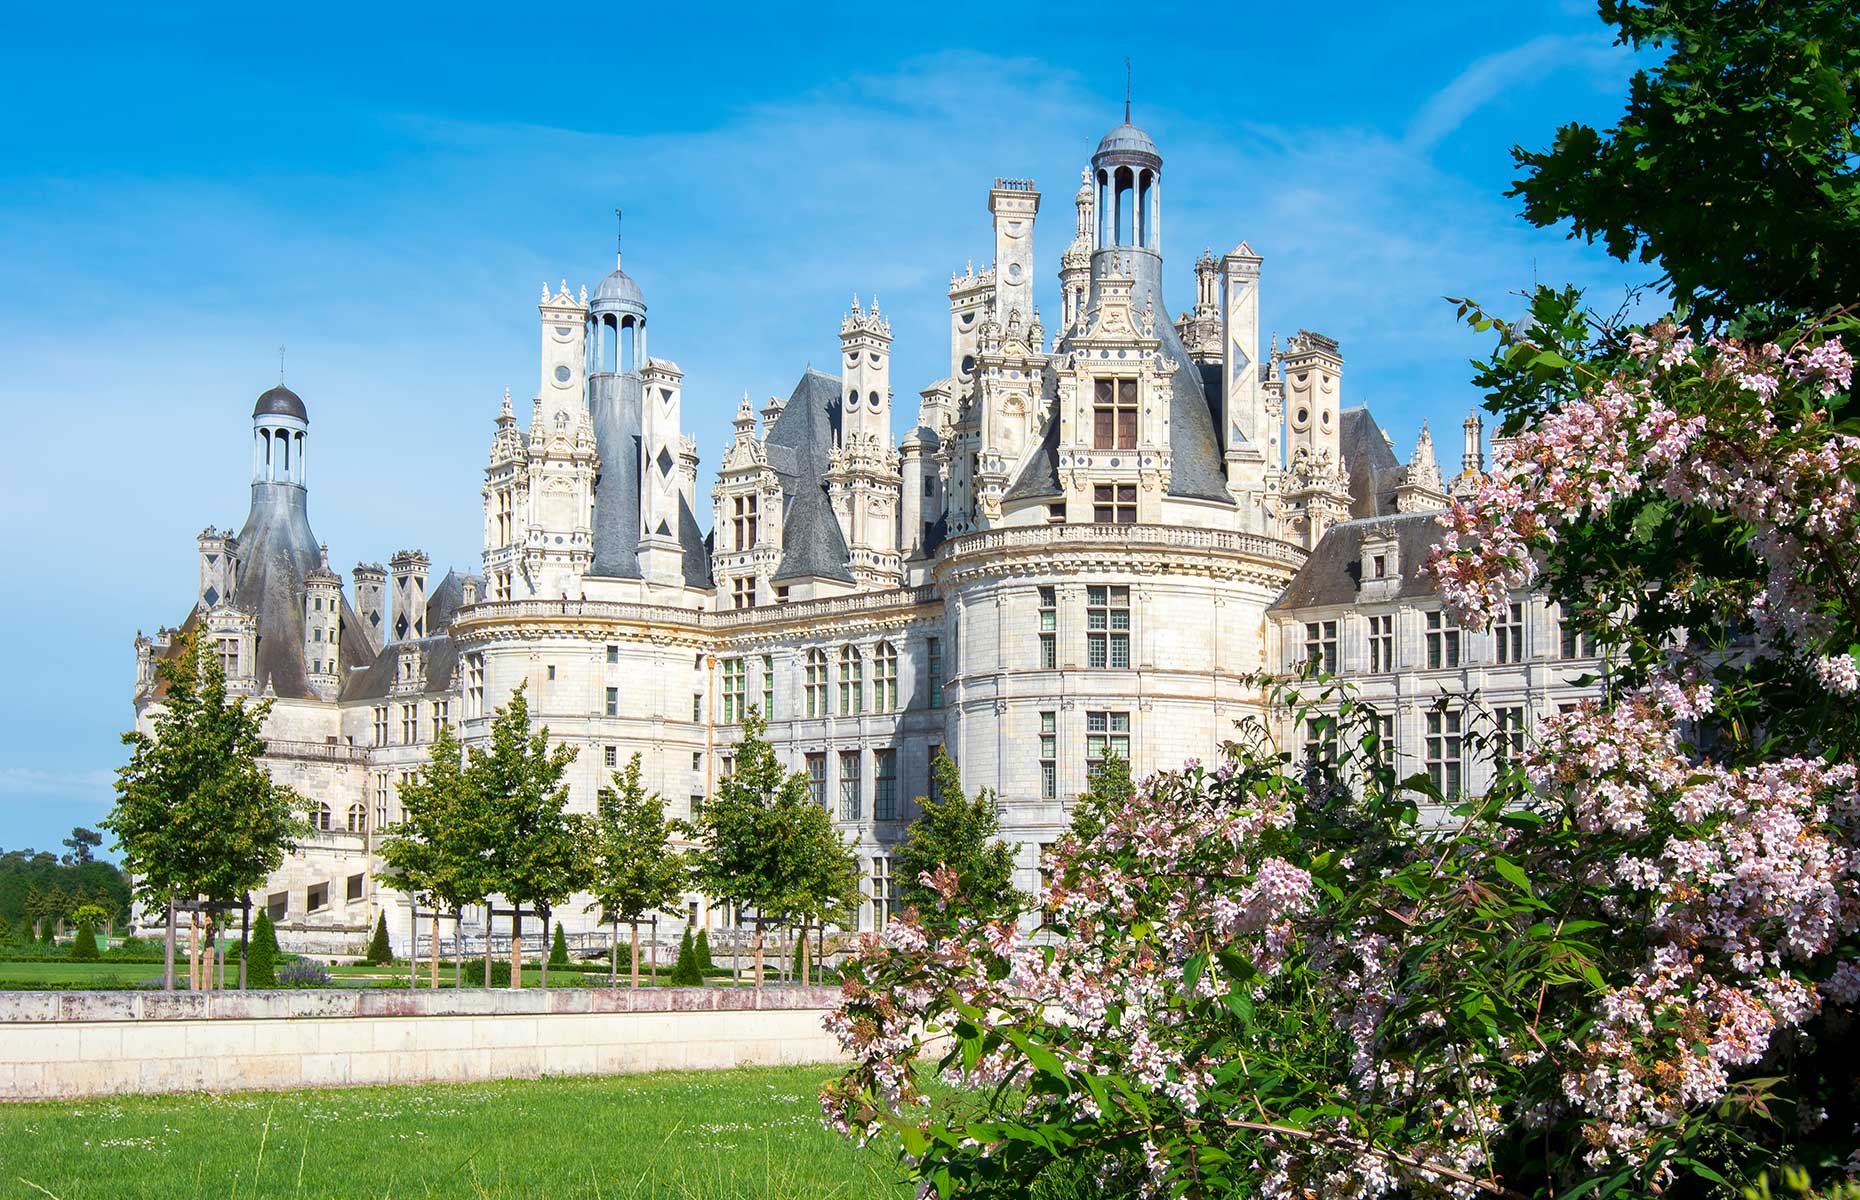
(1090, 540)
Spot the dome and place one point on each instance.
(1127, 139)
(618, 291)
(280, 401)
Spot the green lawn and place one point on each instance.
(26, 975)
(743, 1133)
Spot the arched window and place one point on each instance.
(816, 683)
(320, 818)
(1124, 206)
(885, 678)
(852, 682)
(358, 817)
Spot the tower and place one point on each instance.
(661, 555)
(558, 546)
(1200, 329)
(323, 628)
(1316, 491)
(371, 602)
(1246, 432)
(409, 616)
(865, 357)
(218, 573)
(1075, 263)
(506, 510)
(1014, 203)
(1472, 457)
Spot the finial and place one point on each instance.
(280, 366)
(506, 402)
(616, 239)
(1126, 90)
(875, 304)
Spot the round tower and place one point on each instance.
(280, 427)
(617, 323)
(1127, 171)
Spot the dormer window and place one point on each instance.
(1114, 414)
(744, 522)
(1379, 566)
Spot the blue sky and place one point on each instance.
(383, 191)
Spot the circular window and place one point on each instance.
(561, 374)
(873, 399)
(1325, 417)
(852, 399)
(968, 365)
(1301, 417)
(1014, 272)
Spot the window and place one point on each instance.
(551, 672)
(884, 785)
(613, 655)
(474, 683)
(1321, 645)
(884, 898)
(355, 887)
(610, 756)
(278, 904)
(358, 817)
(697, 706)
(1508, 635)
(316, 635)
(1319, 739)
(1445, 743)
(1049, 628)
(1055, 513)
(781, 594)
(815, 683)
(1107, 733)
(768, 687)
(409, 724)
(849, 785)
(930, 788)
(381, 800)
(613, 702)
(1379, 566)
(381, 725)
(316, 898)
(1577, 643)
(727, 767)
(697, 760)
(1508, 743)
(735, 689)
(442, 716)
(1114, 414)
(817, 778)
(743, 591)
(852, 682)
(1382, 643)
(743, 523)
(1049, 755)
(696, 803)
(319, 817)
(1107, 627)
(1114, 504)
(934, 671)
(1443, 642)
(229, 657)
(885, 678)
(1382, 725)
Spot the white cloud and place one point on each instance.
(1593, 54)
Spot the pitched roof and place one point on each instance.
(276, 551)
(376, 681)
(799, 443)
(1374, 469)
(614, 408)
(1334, 570)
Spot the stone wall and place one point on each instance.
(64, 1045)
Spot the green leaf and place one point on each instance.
(1513, 872)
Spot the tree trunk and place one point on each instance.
(413, 943)
(458, 948)
(633, 940)
(758, 952)
(516, 946)
(548, 946)
(490, 918)
(806, 963)
(245, 936)
(613, 955)
(193, 951)
(167, 953)
(434, 977)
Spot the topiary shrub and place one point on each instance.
(84, 945)
(48, 931)
(703, 951)
(558, 953)
(685, 972)
(261, 953)
(379, 953)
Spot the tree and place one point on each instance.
(535, 847)
(558, 951)
(84, 945)
(380, 950)
(685, 971)
(702, 948)
(261, 959)
(82, 841)
(48, 931)
(765, 844)
(1733, 165)
(961, 836)
(436, 853)
(1108, 788)
(634, 868)
(196, 814)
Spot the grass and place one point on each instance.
(19, 976)
(723, 1134)
(64, 974)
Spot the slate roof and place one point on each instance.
(1332, 573)
(280, 401)
(376, 681)
(798, 444)
(1374, 469)
(276, 551)
(614, 407)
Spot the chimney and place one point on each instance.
(1472, 459)
(371, 602)
(409, 571)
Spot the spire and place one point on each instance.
(616, 239)
(1126, 89)
(1420, 488)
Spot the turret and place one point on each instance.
(1316, 488)
(280, 429)
(371, 602)
(1472, 457)
(409, 572)
(865, 358)
(661, 555)
(1014, 203)
(323, 628)
(1075, 263)
(1420, 488)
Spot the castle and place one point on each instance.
(1086, 544)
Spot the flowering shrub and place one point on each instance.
(1630, 968)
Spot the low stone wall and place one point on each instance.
(61, 1045)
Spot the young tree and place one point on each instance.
(764, 843)
(84, 945)
(435, 853)
(685, 971)
(261, 960)
(635, 869)
(196, 815)
(702, 948)
(380, 951)
(1732, 166)
(821, 872)
(959, 835)
(534, 845)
